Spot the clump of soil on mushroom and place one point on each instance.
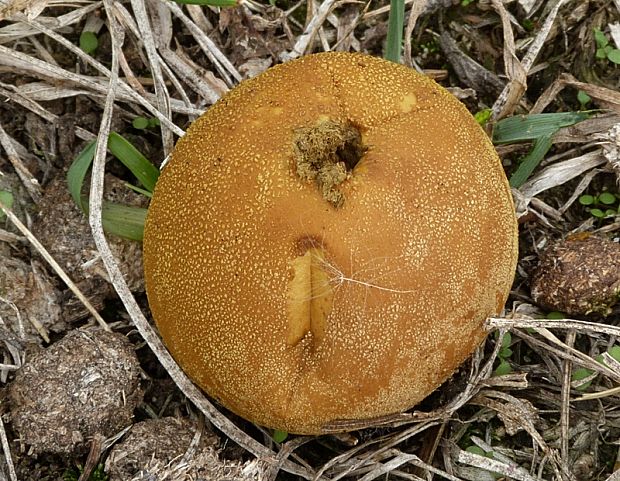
(327, 153)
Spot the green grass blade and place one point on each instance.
(395, 30)
(137, 163)
(522, 128)
(7, 200)
(531, 160)
(144, 192)
(121, 220)
(77, 172)
(211, 3)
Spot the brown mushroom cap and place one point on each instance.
(297, 301)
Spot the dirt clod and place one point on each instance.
(578, 276)
(29, 302)
(160, 449)
(86, 384)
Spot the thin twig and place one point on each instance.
(578, 326)
(567, 367)
(304, 40)
(161, 92)
(414, 14)
(6, 449)
(28, 180)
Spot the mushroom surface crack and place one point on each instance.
(327, 153)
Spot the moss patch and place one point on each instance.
(326, 153)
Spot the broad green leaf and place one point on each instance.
(279, 436)
(483, 116)
(506, 340)
(615, 352)
(583, 98)
(140, 123)
(614, 56)
(7, 200)
(521, 128)
(600, 38)
(77, 172)
(88, 42)
(124, 221)
(503, 368)
(600, 53)
(120, 220)
(395, 30)
(556, 315)
(607, 198)
(505, 353)
(476, 450)
(597, 213)
(586, 199)
(531, 160)
(137, 163)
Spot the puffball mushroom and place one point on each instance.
(326, 242)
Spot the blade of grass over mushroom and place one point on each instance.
(531, 160)
(131, 157)
(521, 128)
(395, 30)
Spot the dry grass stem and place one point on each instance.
(161, 92)
(201, 82)
(32, 66)
(510, 97)
(28, 180)
(6, 450)
(221, 62)
(567, 367)
(6, 236)
(416, 10)
(555, 175)
(581, 327)
(310, 32)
